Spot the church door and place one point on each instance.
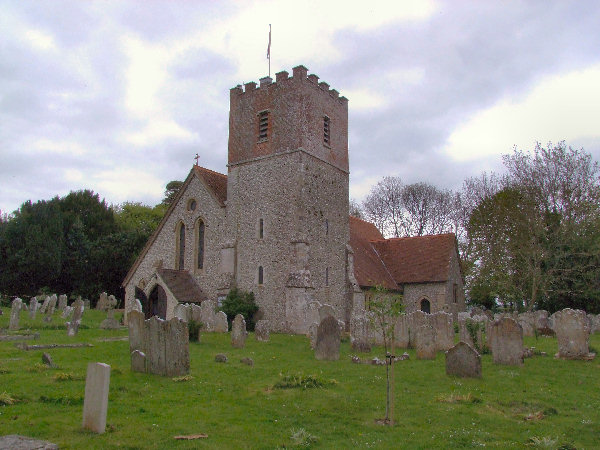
(157, 303)
(425, 306)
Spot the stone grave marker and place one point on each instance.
(425, 342)
(238, 332)
(507, 342)
(312, 334)
(444, 330)
(572, 333)
(220, 324)
(95, 403)
(102, 302)
(462, 360)
(138, 361)
(328, 340)
(62, 302)
(67, 312)
(261, 331)
(182, 312)
(44, 306)
(73, 325)
(326, 310)
(136, 305)
(110, 323)
(359, 334)
(33, 307)
(15, 313)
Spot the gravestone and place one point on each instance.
(67, 312)
(527, 322)
(359, 334)
(594, 323)
(221, 358)
(44, 306)
(95, 403)
(312, 334)
(507, 342)
(181, 312)
(138, 361)
(425, 342)
(474, 339)
(261, 331)
(207, 315)
(136, 326)
(136, 305)
(326, 310)
(328, 340)
(110, 323)
(462, 360)
(220, 324)
(50, 309)
(196, 313)
(47, 359)
(177, 347)
(238, 332)
(15, 313)
(102, 302)
(73, 325)
(33, 307)
(572, 333)
(17, 442)
(402, 331)
(62, 302)
(444, 330)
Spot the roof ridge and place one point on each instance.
(210, 170)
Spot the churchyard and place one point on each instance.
(281, 396)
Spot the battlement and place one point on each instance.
(284, 81)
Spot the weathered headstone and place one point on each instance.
(312, 334)
(359, 334)
(138, 361)
(326, 310)
(462, 360)
(238, 332)
(507, 342)
(136, 305)
(425, 342)
(17, 442)
(594, 323)
(221, 358)
(50, 309)
(110, 323)
(261, 331)
(572, 333)
(44, 306)
(62, 302)
(402, 331)
(177, 347)
(33, 307)
(444, 330)
(67, 312)
(248, 361)
(95, 403)
(112, 301)
(220, 324)
(182, 312)
(102, 302)
(136, 326)
(527, 322)
(328, 340)
(196, 313)
(207, 315)
(73, 325)
(47, 359)
(15, 313)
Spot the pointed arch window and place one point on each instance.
(200, 244)
(180, 247)
(260, 275)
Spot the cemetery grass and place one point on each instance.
(546, 403)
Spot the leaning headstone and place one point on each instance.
(220, 324)
(73, 325)
(50, 309)
(67, 312)
(47, 359)
(572, 333)
(328, 340)
(33, 307)
(425, 342)
(95, 403)
(507, 342)
(15, 313)
(462, 360)
(238, 332)
(326, 310)
(44, 306)
(261, 331)
(62, 302)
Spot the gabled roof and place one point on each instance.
(369, 269)
(216, 184)
(393, 262)
(182, 285)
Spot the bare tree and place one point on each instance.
(383, 206)
(356, 209)
(426, 210)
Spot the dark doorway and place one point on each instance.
(426, 306)
(139, 294)
(157, 303)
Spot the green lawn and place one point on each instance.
(547, 403)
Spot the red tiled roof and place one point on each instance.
(182, 285)
(369, 269)
(216, 181)
(393, 262)
(418, 259)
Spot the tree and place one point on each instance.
(426, 210)
(384, 309)
(132, 216)
(383, 206)
(171, 191)
(355, 209)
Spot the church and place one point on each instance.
(278, 223)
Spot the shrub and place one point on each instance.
(240, 302)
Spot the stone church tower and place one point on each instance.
(287, 198)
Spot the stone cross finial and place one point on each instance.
(197, 157)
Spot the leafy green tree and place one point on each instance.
(132, 216)
(240, 302)
(171, 191)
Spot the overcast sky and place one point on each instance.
(119, 96)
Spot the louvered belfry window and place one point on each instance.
(263, 125)
(326, 130)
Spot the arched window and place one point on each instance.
(180, 247)
(260, 275)
(425, 306)
(200, 244)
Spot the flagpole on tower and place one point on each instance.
(269, 51)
